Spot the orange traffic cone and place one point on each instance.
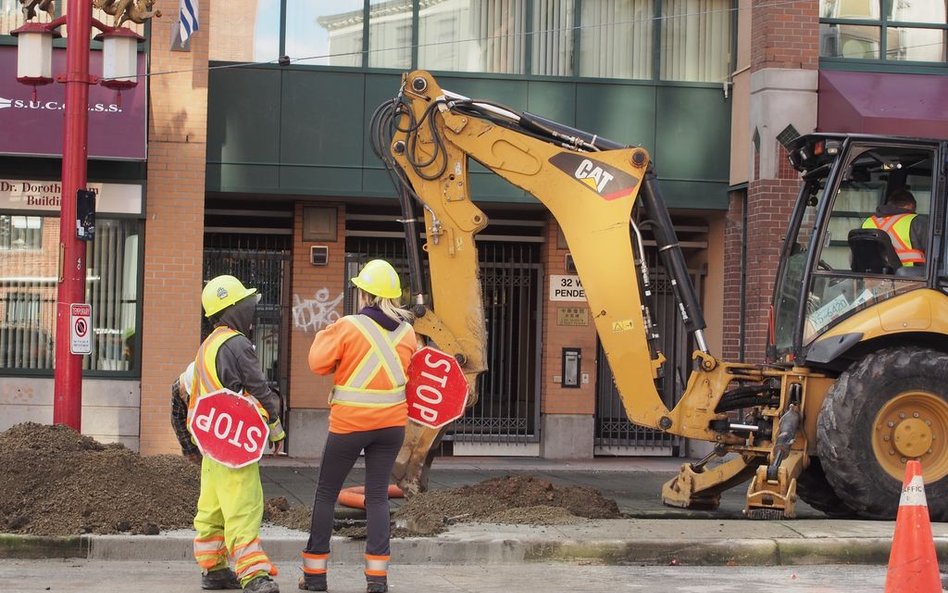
(913, 566)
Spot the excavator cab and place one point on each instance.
(837, 261)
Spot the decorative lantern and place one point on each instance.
(34, 51)
(119, 58)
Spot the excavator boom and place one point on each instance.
(590, 185)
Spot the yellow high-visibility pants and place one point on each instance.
(229, 512)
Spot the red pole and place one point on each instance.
(67, 398)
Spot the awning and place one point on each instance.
(886, 104)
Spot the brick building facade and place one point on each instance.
(240, 147)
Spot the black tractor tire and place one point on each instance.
(815, 490)
(849, 426)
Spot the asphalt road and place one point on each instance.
(84, 576)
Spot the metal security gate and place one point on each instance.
(506, 415)
(615, 434)
(264, 265)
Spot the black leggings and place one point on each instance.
(381, 448)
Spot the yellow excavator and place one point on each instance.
(856, 378)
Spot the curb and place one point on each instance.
(487, 550)
(30, 547)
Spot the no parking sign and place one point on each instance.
(80, 328)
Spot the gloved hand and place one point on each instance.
(276, 430)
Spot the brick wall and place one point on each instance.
(785, 35)
(733, 238)
(554, 398)
(230, 42)
(313, 288)
(174, 226)
(767, 216)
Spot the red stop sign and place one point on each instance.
(436, 389)
(228, 428)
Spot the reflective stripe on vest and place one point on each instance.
(381, 357)
(205, 369)
(899, 229)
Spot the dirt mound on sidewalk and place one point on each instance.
(58, 482)
(525, 500)
(510, 499)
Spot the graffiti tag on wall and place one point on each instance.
(311, 315)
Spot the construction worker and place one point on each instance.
(180, 400)
(230, 507)
(367, 354)
(907, 230)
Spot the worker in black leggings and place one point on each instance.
(368, 355)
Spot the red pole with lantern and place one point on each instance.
(67, 388)
(34, 48)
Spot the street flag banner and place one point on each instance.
(188, 19)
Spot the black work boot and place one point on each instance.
(313, 582)
(262, 584)
(222, 578)
(376, 584)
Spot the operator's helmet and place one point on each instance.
(222, 292)
(378, 277)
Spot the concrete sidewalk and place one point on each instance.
(650, 534)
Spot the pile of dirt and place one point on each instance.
(58, 482)
(510, 499)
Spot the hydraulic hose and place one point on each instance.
(672, 257)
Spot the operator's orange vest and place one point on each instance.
(899, 229)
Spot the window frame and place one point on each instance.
(884, 24)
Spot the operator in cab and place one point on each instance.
(907, 230)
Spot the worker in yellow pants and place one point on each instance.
(237, 495)
(230, 507)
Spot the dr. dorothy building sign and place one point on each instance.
(45, 196)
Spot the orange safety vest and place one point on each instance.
(381, 357)
(899, 229)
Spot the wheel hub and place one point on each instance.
(912, 438)
(912, 425)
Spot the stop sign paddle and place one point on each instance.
(436, 389)
(228, 428)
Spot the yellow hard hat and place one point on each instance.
(378, 277)
(222, 292)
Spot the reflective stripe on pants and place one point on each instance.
(376, 566)
(315, 563)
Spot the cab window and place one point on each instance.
(875, 242)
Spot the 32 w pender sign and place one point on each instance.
(228, 428)
(436, 389)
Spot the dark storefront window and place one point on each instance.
(887, 30)
(28, 290)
